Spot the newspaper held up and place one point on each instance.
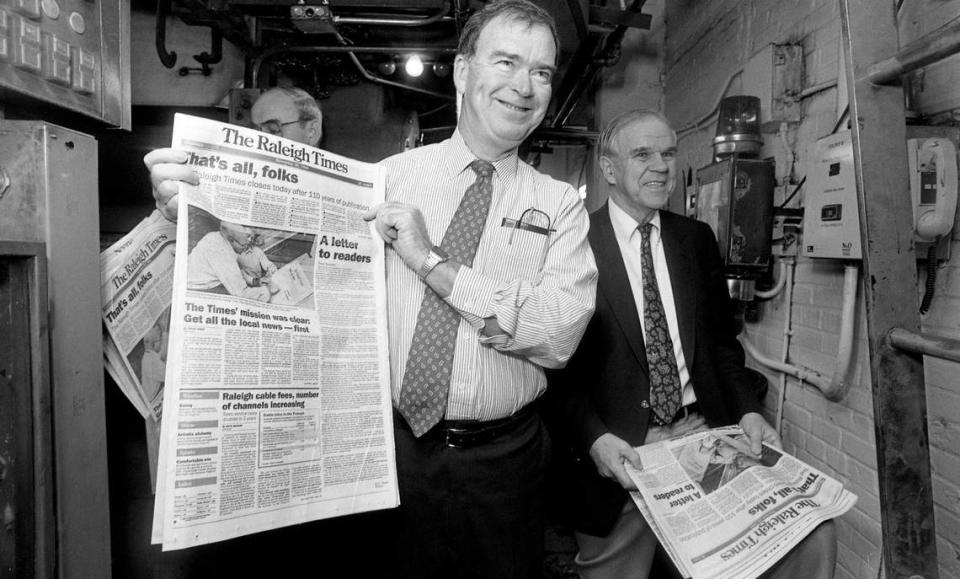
(136, 290)
(277, 406)
(720, 511)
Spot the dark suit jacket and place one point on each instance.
(605, 386)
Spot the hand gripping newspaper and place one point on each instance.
(720, 511)
(276, 408)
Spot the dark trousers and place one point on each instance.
(474, 512)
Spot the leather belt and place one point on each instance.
(468, 433)
(692, 408)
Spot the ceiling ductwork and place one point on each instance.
(350, 41)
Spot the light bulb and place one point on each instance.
(387, 67)
(414, 66)
(441, 69)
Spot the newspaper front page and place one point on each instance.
(720, 511)
(277, 406)
(136, 291)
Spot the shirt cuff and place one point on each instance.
(472, 296)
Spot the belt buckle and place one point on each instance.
(447, 441)
(454, 438)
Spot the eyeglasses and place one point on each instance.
(275, 127)
(532, 220)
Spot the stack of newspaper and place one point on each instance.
(136, 291)
(721, 511)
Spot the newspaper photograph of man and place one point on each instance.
(716, 460)
(261, 264)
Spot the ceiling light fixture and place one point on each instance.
(441, 69)
(414, 66)
(387, 67)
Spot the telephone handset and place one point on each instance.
(933, 185)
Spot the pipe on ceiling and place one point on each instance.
(408, 22)
(611, 44)
(272, 53)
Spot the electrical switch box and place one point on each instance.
(775, 75)
(831, 220)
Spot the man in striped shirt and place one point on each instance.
(471, 487)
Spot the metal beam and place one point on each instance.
(889, 268)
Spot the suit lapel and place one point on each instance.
(680, 263)
(613, 285)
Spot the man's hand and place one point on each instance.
(759, 431)
(167, 169)
(609, 453)
(402, 227)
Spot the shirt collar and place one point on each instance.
(624, 225)
(459, 157)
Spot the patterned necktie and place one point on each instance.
(665, 394)
(426, 378)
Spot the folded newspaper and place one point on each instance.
(276, 399)
(720, 511)
(136, 290)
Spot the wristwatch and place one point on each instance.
(435, 257)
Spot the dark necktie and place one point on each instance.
(426, 378)
(665, 394)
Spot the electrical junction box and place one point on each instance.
(775, 75)
(831, 221)
(787, 225)
(735, 198)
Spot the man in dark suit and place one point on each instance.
(624, 388)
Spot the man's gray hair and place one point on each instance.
(515, 10)
(605, 144)
(306, 104)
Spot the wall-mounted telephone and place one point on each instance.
(933, 185)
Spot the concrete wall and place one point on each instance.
(707, 46)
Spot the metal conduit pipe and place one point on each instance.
(927, 49)
(781, 282)
(407, 22)
(785, 350)
(610, 44)
(802, 374)
(838, 386)
(834, 388)
(926, 344)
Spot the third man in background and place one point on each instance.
(285, 111)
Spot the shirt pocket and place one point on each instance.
(521, 253)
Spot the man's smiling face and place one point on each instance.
(505, 85)
(643, 169)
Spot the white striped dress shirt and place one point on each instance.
(628, 238)
(540, 287)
